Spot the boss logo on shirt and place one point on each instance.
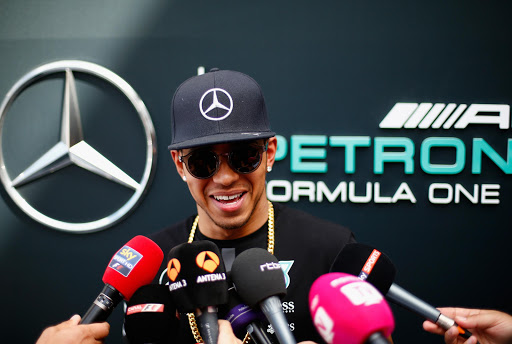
(288, 307)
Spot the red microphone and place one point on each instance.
(348, 310)
(133, 266)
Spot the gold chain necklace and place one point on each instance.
(270, 248)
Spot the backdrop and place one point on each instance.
(394, 120)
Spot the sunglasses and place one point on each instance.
(204, 163)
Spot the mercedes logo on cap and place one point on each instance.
(209, 103)
(72, 148)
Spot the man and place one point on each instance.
(223, 147)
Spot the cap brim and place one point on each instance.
(221, 138)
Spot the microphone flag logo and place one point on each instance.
(208, 261)
(173, 269)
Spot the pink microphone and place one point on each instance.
(348, 310)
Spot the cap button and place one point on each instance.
(214, 70)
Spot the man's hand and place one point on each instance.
(70, 332)
(226, 335)
(487, 326)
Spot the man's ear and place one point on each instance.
(179, 165)
(271, 151)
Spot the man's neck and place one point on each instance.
(213, 231)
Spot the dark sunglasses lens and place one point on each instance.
(202, 164)
(246, 160)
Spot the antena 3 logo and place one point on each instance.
(125, 260)
(173, 269)
(209, 261)
(437, 156)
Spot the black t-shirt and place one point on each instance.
(305, 246)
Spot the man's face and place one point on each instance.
(228, 199)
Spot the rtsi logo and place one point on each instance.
(208, 261)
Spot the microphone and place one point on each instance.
(259, 281)
(198, 284)
(375, 267)
(150, 316)
(346, 310)
(245, 319)
(134, 265)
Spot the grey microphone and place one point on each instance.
(259, 281)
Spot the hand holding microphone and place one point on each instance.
(488, 326)
(198, 284)
(226, 335)
(134, 265)
(375, 267)
(346, 310)
(71, 332)
(244, 319)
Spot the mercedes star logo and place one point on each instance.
(73, 149)
(216, 104)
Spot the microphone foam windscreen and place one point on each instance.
(367, 263)
(197, 276)
(347, 310)
(151, 316)
(257, 275)
(134, 265)
(239, 314)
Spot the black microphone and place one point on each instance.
(244, 319)
(259, 281)
(375, 267)
(134, 265)
(150, 316)
(198, 284)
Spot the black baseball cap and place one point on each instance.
(217, 107)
